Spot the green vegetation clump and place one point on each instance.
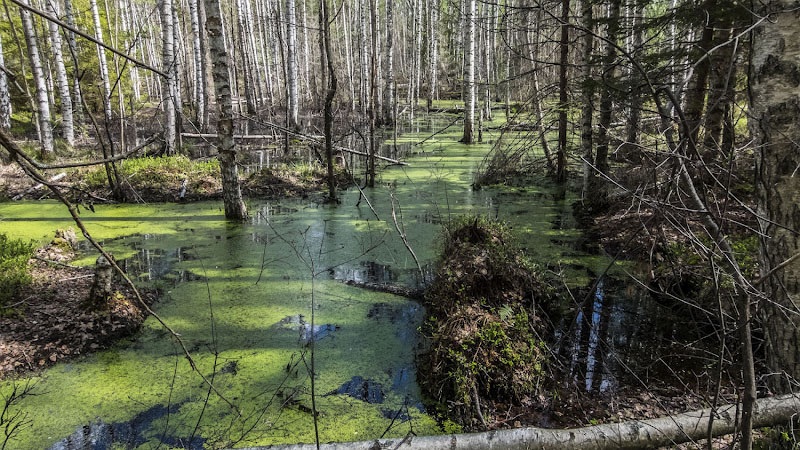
(483, 332)
(165, 175)
(14, 273)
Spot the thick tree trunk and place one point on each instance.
(329, 82)
(231, 191)
(42, 102)
(469, 74)
(635, 434)
(775, 108)
(67, 127)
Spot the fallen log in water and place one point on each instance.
(632, 434)
(402, 291)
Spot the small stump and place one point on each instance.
(101, 288)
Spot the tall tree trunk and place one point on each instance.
(696, 94)
(722, 80)
(42, 102)
(329, 82)
(291, 57)
(606, 101)
(635, 120)
(168, 67)
(561, 169)
(199, 69)
(433, 50)
(587, 92)
(231, 191)
(373, 88)
(103, 62)
(388, 102)
(72, 44)
(469, 74)
(5, 96)
(775, 107)
(61, 78)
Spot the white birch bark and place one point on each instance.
(469, 73)
(103, 62)
(199, 71)
(231, 191)
(5, 96)
(72, 44)
(42, 102)
(168, 67)
(61, 77)
(291, 63)
(388, 101)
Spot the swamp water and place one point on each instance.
(257, 281)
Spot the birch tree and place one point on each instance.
(42, 102)
(291, 63)
(61, 77)
(775, 108)
(103, 62)
(469, 73)
(168, 81)
(231, 191)
(5, 95)
(388, 101)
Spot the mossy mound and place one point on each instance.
(484, 334)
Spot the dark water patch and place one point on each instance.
(361, 389)
(303, 329)
(128, 435)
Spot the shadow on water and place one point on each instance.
(128, 435)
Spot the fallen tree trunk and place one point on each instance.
(633, 434)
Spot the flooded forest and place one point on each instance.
(399, 224)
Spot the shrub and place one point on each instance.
(14, 273)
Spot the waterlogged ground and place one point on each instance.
(240, 297)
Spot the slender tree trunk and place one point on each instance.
(72, 44)
(61, 78)
(606, 101)
(231, 191)
(388, 102)
(291, 57)
(199, 70)
(587, 91)
(635, 121)
(433, 53)
(5, 96)
(168, 67)
(561, 168)
(42, 102)
(373, 88)
(469, 78)
(328, 75)
(774, 108)
(722, 79)
(103, 64)
(696, 95)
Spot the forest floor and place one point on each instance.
(175, 179)
(48, 322)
